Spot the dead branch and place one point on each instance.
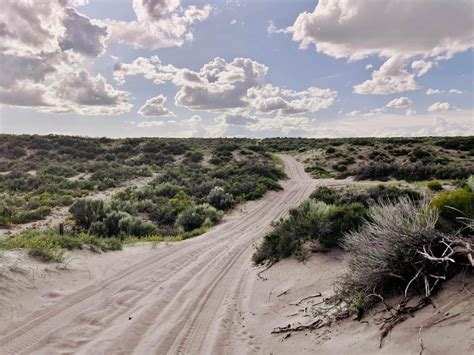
(259, 275)
(306, 298)
(314, 325)
(283, 293)
(403, 312)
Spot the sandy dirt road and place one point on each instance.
(183, 298)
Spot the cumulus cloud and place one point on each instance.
(221, 86)
(399, 102)
(355, 29)
(82, 34)
(391, 77)
(269, 99)
(155, 107)
(430, 92)
(456, 91)
(42, 46)
(158, 24)
(140, 66)
(410, 112)
(82, 93)
(440, 107)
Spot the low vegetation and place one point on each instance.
(319, 223)
(411, 159)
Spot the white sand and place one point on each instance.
(198, 296)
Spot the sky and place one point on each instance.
(237, 68)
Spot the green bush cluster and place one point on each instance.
(320, 222)
(313, 222)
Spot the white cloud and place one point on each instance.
(222, 86)
(80, 92)
(233, 22)
(43, 46)
(159, 23)
(269, 99)
(219, 85)
(456, 91)
(369, 66)
(421, 67)
(150, 124)
(140, 66)
(271, 29)
(450, 123)
(82, 34)
(237, 119)
(193, 120)
(399, 102)
(440, 107)
(392, 77)
(430, 92)
(155, 107)
(410, 112)
(357, 28)
(353, 113)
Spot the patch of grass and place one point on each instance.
(152, 239)
(434, 185)
(50, 246)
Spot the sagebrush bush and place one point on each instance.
(220, 199)
(400, 251)
(86, 211)
(121, 224)
(195, 217)
(384, 251)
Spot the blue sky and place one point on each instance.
(293, 45)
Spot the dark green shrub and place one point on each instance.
(220, 199)
(434, 185)
(319, 224)
(86, 211)
(194, 217)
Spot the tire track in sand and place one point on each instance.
(174, 294)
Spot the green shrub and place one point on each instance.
(219, 199)
(318, 223)
(434, 185)
(85, 212)
(194, 217)
(454, 207)
(121, 224)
